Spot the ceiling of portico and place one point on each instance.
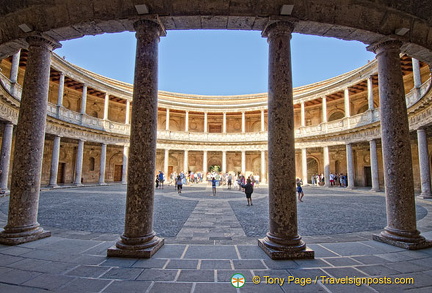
(367, 21)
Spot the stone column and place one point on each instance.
(262, 121)
(167, 124)
(187, 121)
(243, 162)
(186, 162)
(106, 107)
(416, 73)
(6, 150)
(83, 100)
(302, 114)
(205, 166)
(166, 163)
(326, 166)
(243, 122)
(224, 162)
(304, 166)
(139, 239)
(22, 225)
(15, 67)
(347, 103)
(350, 166)
(374, 165)
(79, 163)
(324, 111)
(370, 91)
(424, 164)
(125, 164)
(263, 176)
(102, 168)
(60, 93)
(127, 118)
(401, 229)
(205, 122)
(282, 240)
(224, 124)
(55, 162)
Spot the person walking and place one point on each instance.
(300, 190)
(214, 183)
(248, 188)
(179, 184)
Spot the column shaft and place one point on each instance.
(224, 162)
(22, 225)
(139, 239)
(106, 107)
(84, 99)
(371, 105)
(263, 177)
(55, 161)
(79, 163)
(326, 160)
(187, 121)
(125, 164)
(416, 73)
(166, 163)
(262, 121)
(304, 166)
(302, 114)
(186, 162)
(205, 166)
(15, 67)
(224, 124)
(424, 164)
(167, 124)
(282, 240)
(243, 125)
(401, 229)
(6, 150)
(243, 162)
(347, 103)
(127, 118)
(102, 168)
(350, 166)
(205, 122)
(374, 165)
(324, 109)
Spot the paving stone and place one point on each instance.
(344, 272)
(249, 287)
(308, 273)
(122, 273)
(157, 274)
(196, 276)
(215, 287)
(351, 248)
(311, 263)
(321, 251)
(171, 251)
(9, 259)
(88, 271)
(159, 287)
(251, 252)
(17, 276)
(16, 289)
(85, 285)
(119, 262)
(225, 275)
(248, 264)
(341, 261)
(405, 267)
(377, 270)
(150, 263)
(42, 266)
(49, 281)
(281, 264)
(127, 287)
(370, 259)
(216, 264)
(182, 264)
(211, 252)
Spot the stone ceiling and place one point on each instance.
(367, 21)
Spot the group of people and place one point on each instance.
(334, 179)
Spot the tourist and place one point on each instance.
(313, 179)
(229, 181)
(248, 188)
(331, 178)
(157, 181)
(213, 183)
(179, 184)
(161, 179)
(300, 190)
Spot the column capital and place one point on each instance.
(390, 44)
(43, 41)
(279, 26)
(141, 26)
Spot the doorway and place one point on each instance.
(118, 171)
(368, 176)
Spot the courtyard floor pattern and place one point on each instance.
(208, 241)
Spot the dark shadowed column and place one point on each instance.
(401, 229)
(139, 239)
(282, 240)
(22, 225)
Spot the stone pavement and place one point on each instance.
(206, 248)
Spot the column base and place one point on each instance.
(426, 196)
(15, 238)
(414, 243)
(285, 252)
(375, 190)
(103, 183)
(53, 186)
(146, 250)
(78, 184)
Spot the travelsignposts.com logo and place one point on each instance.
(238, 280)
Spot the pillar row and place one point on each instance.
(282, 241)
(139, 239)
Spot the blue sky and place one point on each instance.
(216, 62)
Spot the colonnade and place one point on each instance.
(282, 240)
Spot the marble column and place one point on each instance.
(243, 163)
(60, 93)
(79, 163)
(282, 241)
(302, 114)
(401, 229)
(6, 150)
(187, 121)
(125, 164)
(102, 167)
(347, 103)
(425, 174)
(224, 124)
(22, 225)
(324, 109)
(55, 156)
(205, 165)
(167, 124)
(243, 124)
(83, 100)
(262, 121)
(166, 163)
(416, 73)
(350, 166)
(304, 166)
(374, 165)
(127, 118)
(186, 162)
(370, 92)
(263, 177)
(326, 159)
(224, 161)
(205, 122)
(106, 107)
(139, 239)
(15, 67)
